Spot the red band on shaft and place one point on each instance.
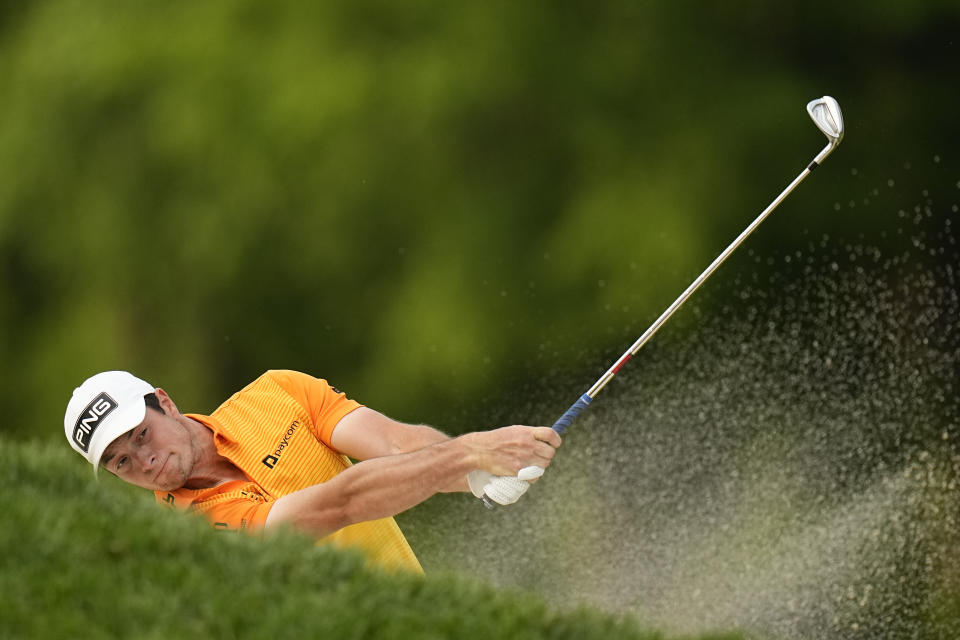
(617, 368)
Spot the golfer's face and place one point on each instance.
(156, 454)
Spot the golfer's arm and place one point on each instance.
(364, 433)
(373, 489)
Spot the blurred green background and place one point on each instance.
(436, 206)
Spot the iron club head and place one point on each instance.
(825, 112)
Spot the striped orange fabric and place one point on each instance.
(277, 431)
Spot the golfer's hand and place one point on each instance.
(509, 459)
(505, 451)
(503, 490)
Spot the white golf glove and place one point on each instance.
(503, 490)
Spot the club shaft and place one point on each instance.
(642, 340)
(826, 114)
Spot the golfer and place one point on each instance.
(276, 453)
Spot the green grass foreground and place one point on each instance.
(97, 560)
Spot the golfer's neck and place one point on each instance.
(209, 469)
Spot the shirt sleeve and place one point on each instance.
(325, 403)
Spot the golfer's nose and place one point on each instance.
(146, 459)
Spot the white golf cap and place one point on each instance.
(103, 408)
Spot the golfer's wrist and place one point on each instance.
(471, 451)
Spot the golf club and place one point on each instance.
(825, 113)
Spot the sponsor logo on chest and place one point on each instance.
(271, 460)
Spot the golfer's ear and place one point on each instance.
(166, 402)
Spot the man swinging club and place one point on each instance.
(276, 453)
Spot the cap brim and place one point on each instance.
(119, 424)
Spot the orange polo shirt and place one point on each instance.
(277, 431)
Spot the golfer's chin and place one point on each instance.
(166, 486)
(169, 478)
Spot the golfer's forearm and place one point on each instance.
(421, 436)
(364, 434)
(417, 437)
(375, 488)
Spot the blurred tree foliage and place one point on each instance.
(426, 202)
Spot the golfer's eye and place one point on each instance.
(142, 434)
(122, 461)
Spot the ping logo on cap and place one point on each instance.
(91, 418)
